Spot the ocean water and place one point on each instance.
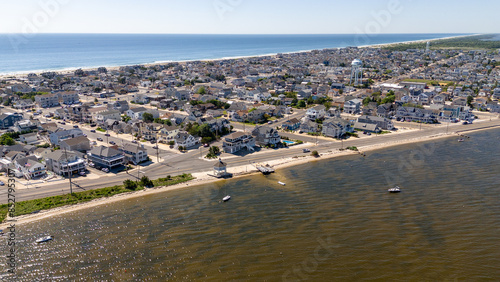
(20, 53)
(333, 221)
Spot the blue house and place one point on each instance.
(291, 124)
(9, 119)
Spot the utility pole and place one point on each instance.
(69, 172)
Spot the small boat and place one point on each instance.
(227, 198)
(44, 239)
(394, 190)
(281, 183)
(461, 140)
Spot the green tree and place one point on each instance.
(469, 101)
(366, 101)
(130, 185)
(301, 104)
(126, 118)
(146, 182)
(7, 140)
(148, 117)
(201, 90)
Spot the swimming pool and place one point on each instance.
(288, 142)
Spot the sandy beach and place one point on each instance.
(203, 178)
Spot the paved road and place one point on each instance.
(191, 163)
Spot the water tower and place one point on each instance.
(357, 72)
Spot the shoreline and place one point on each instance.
(163, 62)
(203, 178)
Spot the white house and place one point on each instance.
(136, 113)
(317, 112)
(352, 106)
(185, 140)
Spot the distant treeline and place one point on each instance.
(486, 41)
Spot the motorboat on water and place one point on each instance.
(281, 183)
(226, 198)
(44, 239)
(394, 189)
(461, 140)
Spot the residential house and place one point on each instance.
(385, 110)
(352, 106)
(440, 99)
(47, 100)
(266, 136)
(291, 124)
(135, 154)
(309, 126)
(368, 127)
(69, 98)
(237, 141)
(106, 157)
(120, 106)
(64, 162)
(23, 104)
(29, 138)
(9, 119)
(104, 116)
(30, 167)
(58, 136)
(316, 112)
(80, 144)
(167, 134)
(136, 113)
(382, 123)
(416, 114)
(336, 127)
(185, 140)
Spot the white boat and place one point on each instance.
(281, 183)
(227, 198)
(44, 239)
(394, 190)
(461, 140)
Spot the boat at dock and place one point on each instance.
(44, 239)
(394, 189)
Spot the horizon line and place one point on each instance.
(132, 33)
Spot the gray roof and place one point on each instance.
(104, 151)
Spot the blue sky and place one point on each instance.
(249, 16)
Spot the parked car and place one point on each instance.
(306, 150)
(155, 147)
(92, 130)
(206, 145)
(1, 183)
(75, 126)
(93, 125)
(112, 142)
(99, 139)
(63, 123)
(107, 135)
(134, 141)
(105, 169)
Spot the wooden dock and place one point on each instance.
(265, 169)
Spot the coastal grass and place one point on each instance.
(32, 206)
(4, 209)
(483, 41)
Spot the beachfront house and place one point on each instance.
(382, 123)
(336, 127)
(266, 136)
(106, 157)
(237, 141)
(64, 162)
(135, 154)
